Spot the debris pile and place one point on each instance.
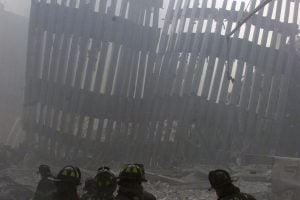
(177, 183)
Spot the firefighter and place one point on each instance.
(222, 183)
(66, 183)
(130, 184)
(45, 187)
(106, 182)
(90, 190)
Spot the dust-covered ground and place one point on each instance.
(165, 191)
(18, 182)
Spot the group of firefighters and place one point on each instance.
(128, 185)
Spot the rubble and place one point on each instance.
(185, 184)
(12, 191)
(258, 177)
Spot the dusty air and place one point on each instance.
(149, 99)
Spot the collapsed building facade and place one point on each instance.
(107, 81)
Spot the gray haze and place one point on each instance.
(20, 7)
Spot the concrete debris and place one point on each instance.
(285, 178)
(187, 186)
(265, 182)
(11, 190)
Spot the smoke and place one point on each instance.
(20, 7)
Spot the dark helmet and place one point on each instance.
(133, 172)
(106, 181)
(219, 178)
(44, 169)
(68, 174)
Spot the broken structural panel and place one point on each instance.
(105, 81)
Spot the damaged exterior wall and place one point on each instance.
(104, 82)
(290, 138)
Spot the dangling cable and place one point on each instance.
(240, 23)
(228, 71)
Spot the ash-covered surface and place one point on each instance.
(16, 184)
(19, 182)
(165, 191)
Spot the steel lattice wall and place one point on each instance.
(104, 81)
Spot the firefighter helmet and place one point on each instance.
(219, 178)
(132, 172)
(68, 174)
(106, 181)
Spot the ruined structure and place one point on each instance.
(105, 81)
